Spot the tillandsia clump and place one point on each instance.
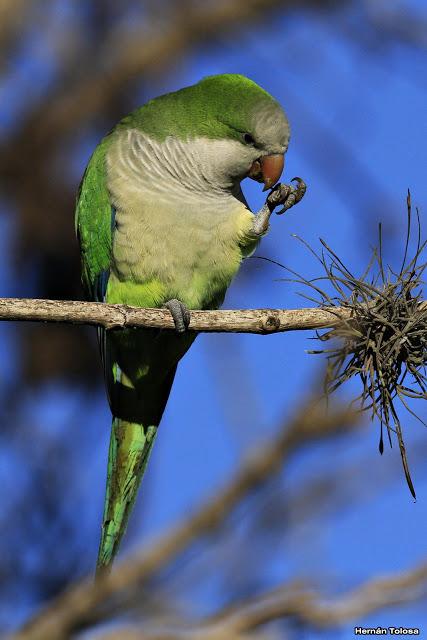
(383, 341)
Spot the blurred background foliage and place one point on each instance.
(351, 76)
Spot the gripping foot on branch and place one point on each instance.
(282, 194)
(180, 314)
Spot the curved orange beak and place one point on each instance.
(268, 170)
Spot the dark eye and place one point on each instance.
(248, 138)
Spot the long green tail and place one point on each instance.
(140, 367)
(130, 448)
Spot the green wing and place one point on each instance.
(95, 224)
(94, 229)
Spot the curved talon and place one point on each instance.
(278, 194)
(301, 188)
(289, 202)
(287, 195)
(179, 313)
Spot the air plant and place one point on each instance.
(383, 342)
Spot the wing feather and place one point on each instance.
(95, 223)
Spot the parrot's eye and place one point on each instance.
(248, 139)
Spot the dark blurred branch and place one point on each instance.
(316, 611)
(114, 316)
(398, 24)
(12, 17)
(144, 52)
(371, 596)
(186, 634)
(306, 606)
(73, 608)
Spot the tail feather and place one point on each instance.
(130, 448)
(140, 368)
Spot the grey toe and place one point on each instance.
(180, 314)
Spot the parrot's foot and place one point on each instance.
(261, 221)
(282, 194)
(180, 314)
(286, 195)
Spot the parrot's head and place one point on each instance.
(234, 128)
(251, 124)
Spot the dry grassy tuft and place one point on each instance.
(384, 343)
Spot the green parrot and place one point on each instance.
(162, 222)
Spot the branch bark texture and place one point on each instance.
(111, 316)
(117, 316)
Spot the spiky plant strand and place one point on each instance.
(384, 342)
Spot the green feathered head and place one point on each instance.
(226, 108)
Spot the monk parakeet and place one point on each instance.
(162, 222)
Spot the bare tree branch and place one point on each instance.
(71, 609)
(114, 316)
(321, 612)
(296, 602)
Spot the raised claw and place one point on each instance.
(287, 195)
(301, 188)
